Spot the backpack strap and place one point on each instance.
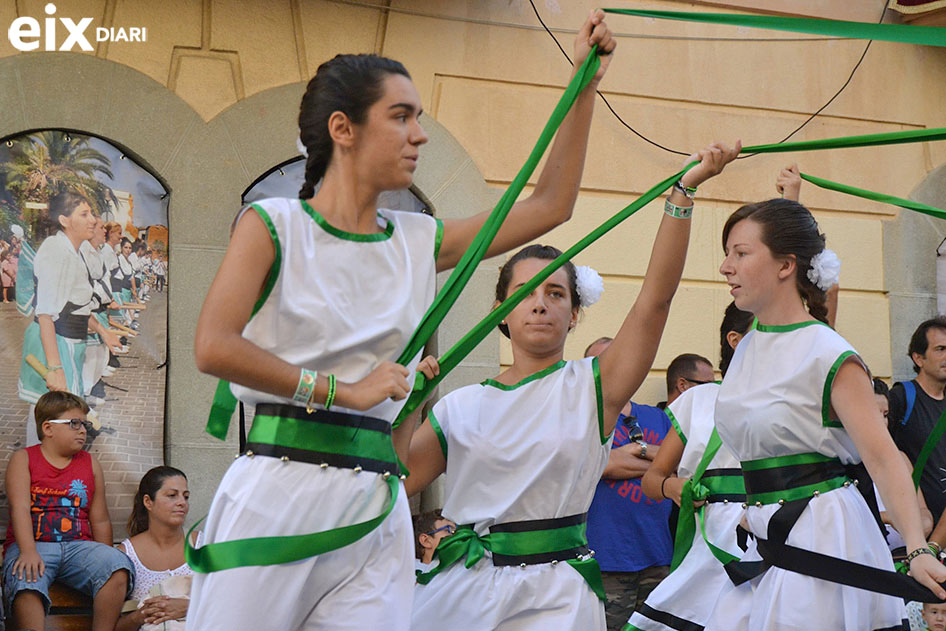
(909, 388)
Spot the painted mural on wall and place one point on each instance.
(84, 253)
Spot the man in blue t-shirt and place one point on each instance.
(628, 531)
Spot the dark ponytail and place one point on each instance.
(150, 484)
(788, 228)
(349, 84)
(734, 319)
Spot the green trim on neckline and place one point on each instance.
(277, 260)
(530, 378)
(435, 425)
(783, 328)
(348, 236)
(826, 419)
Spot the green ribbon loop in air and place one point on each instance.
(877, 197)
(227, 555)
(449, 360)
(903, 33)
(461, 274)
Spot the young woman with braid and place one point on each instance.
(314, 300)
(796, 408)
(523, 452)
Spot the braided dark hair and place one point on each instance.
(349, 84)
(788, 228)
(546, 253)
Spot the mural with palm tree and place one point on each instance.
(47, 162)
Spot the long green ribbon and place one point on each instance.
(225, 403)
(931, 441)
(693, 491)
(461, 274)
(226, 555)
(904, 33)
(466, 544)
(877, 197)
(449, 360)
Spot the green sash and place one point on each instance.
(694, 490)
(466, 544)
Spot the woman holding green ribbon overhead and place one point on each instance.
(796, 408)
(523, 452)
(314, 300)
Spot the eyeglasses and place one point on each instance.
(698, 382)
(74, 423)
(450, 528)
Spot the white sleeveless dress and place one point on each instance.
(335, 302)
(685, 599)
(530, 451)
(776, 401)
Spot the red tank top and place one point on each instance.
(59, 498)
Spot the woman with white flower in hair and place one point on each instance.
(796, 408)
(523, 452)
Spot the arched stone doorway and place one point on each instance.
(206, 166)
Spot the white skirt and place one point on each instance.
(537, 597)
(365, 585)
(687, 597)
(838, 524)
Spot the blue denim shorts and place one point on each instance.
(82, 565)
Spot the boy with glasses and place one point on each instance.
(59, 524)
(429, 529)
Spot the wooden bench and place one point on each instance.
(70, 610)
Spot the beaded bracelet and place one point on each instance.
(918, 552)
(307, 379)
(680, 212)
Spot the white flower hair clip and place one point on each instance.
(589, 285)
(825, 269)
(301, 147)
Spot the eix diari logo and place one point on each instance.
(25, 33)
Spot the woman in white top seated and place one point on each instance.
(156, 546)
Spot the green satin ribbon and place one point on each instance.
(315, 436)
(468, 263)
(449, 360)
(693, 491)
(227, 555)
(931, 441)
(466, 544)
(221, 410)
(903, 33)
(877, 197)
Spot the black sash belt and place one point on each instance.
(532, 525)
(775, 552)
(734, 473)
(311, 444)
(70, 325)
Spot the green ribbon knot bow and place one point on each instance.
(463, 543)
